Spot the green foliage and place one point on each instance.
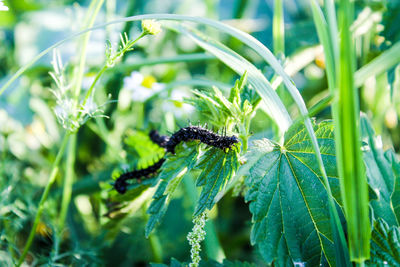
(385, 244)
(288, 199)
(383, 177)
(81, 220)
(217, 168)
(272, 104)
(172, 172)
(220, 111)
(141, 151)
(390, 20)
(210, 263)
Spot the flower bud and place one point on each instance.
(151, 26)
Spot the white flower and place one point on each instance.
(142, 87)
(176, 104)
(3, 7)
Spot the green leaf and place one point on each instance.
(224, 112)
(141, 149)
(218, 167)
(173, 170)
(385, 244)
(381, 177)
(273, 105)
(289, 201)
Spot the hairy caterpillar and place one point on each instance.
(182, 135)
(158, 139)
(121, 185)
(203, 135)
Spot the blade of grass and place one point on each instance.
(346, 114)
(379, 65)
(165, 60)
(325, 31)
(278, 29)
(275, 108)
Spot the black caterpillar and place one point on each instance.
(121, 185)
(203, 135)
(182, 135)
(158, 139)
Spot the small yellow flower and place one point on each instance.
(150, 26)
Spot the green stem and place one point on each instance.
(68, 181)
(52, 178)
(156, 248)
(278, 29)
(91, 14)
(327, 34)
(81, 67)
(91, 90)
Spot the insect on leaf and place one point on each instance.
(173, 170)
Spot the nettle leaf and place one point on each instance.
(381, 171)
(218, 167)
(172, 171)
(141, 149)
(385, 244)
(210, 106)
(221, 111)
(288, 198)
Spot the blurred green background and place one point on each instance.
(145, 91)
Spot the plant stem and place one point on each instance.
(68, 181)
(46, 191)
(156, 248)
(278, 29)
(91, 16)
(91, 90)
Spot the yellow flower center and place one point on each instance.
(148, 81)
(177, 104)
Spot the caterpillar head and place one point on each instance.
(121, 185)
